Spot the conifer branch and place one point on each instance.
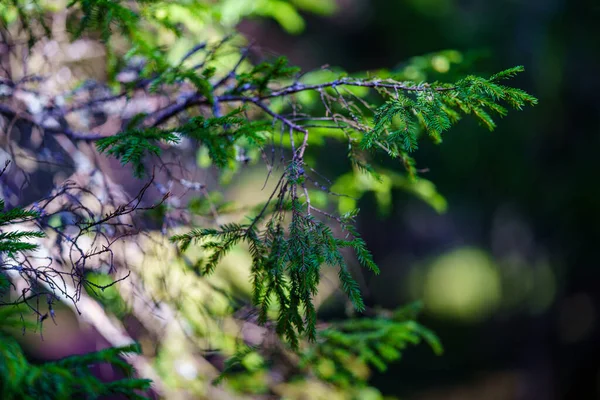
(225, 114)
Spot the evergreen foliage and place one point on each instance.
(344, 349)
(13, 242)
(131, 146)
(286, 263)
(68, 378)
(236, 114)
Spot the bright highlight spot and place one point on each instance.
(463, 284)
(440, 64)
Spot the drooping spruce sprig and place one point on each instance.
(286, 258)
